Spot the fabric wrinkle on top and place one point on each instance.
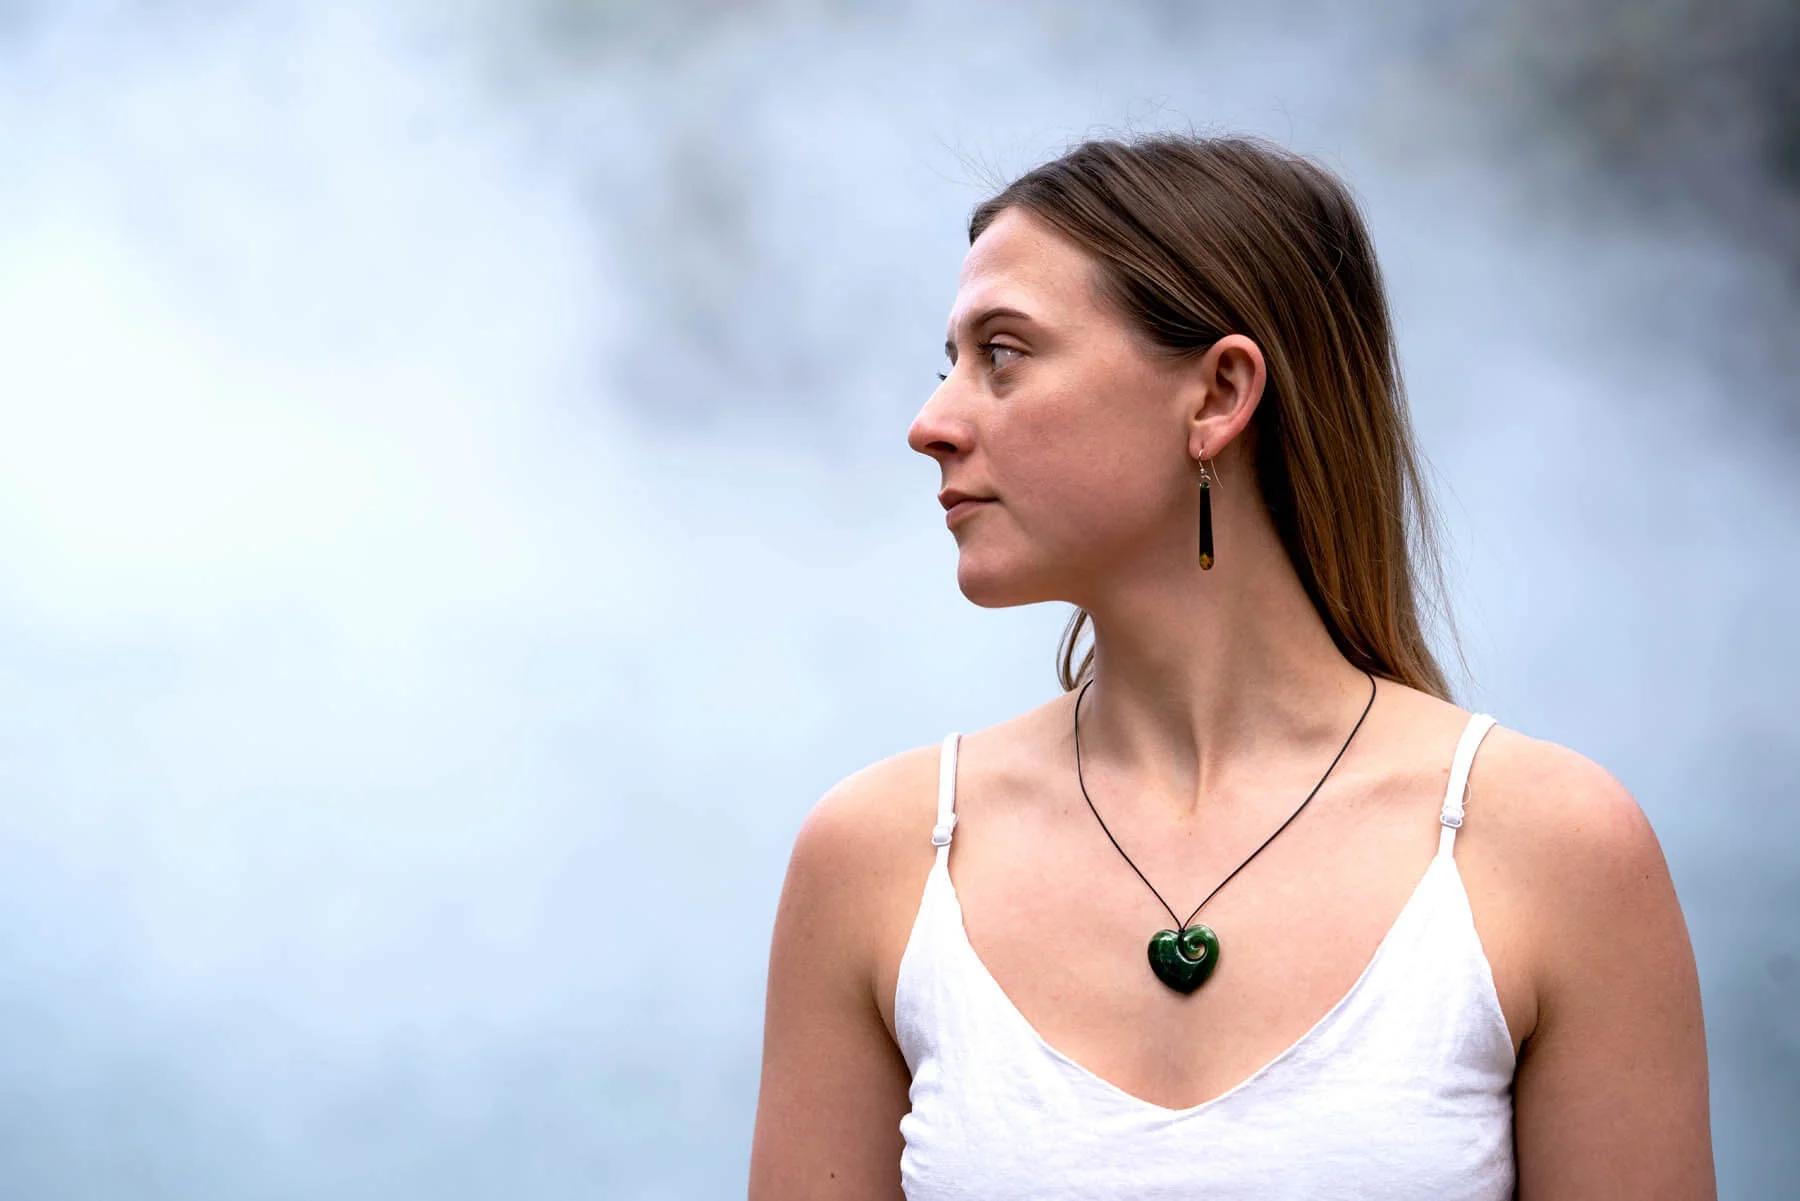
(1403, 1089)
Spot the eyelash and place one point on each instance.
(986, 348)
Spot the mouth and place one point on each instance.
(951, 497)
(965, 506)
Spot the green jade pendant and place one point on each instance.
(1184, 961)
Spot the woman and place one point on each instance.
(1432, 972)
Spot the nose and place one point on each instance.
(936, 431)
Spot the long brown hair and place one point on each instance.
(1192, 238)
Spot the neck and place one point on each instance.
(1206, 684)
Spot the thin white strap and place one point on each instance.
(946, 811)
(1452, 813)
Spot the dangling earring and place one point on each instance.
(1206, 539)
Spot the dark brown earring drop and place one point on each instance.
(1206, 538)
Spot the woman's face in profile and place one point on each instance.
(1051, 407)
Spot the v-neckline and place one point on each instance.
(1325, 1021)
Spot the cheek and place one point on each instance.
(1084, 471)
(1097, 497)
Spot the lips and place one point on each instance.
(950, 497)
(965, 506)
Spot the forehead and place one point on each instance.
(1020, 263)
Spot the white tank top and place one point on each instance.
(1402, 1090)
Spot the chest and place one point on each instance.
(1059, 934)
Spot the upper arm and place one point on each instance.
(834, 1085)
(1610, 1095)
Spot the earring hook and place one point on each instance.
(1212, 475)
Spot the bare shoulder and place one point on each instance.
(1559, 791)
(1614, 1072)
(861, 847)
(873, 827)
(834, 1085)
(1572, 828)
(851, 838)
(1571, 841)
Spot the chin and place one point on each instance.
(1000, 585)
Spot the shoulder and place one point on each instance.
(1538, 803)
(1614, 1072)
(1610, 1088)
(834, 1082)
(879, 816)
(1561, 808)
(863, 841)
(855, 823)
(1577, 848)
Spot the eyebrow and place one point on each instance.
(985, 315)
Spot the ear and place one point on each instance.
(1220, 394)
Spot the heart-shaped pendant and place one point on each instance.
(1184, 961)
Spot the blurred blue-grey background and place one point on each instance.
(456, 518)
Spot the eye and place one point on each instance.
(989, 348)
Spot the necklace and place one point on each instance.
(1184, 957)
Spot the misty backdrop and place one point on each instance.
(456, 519)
